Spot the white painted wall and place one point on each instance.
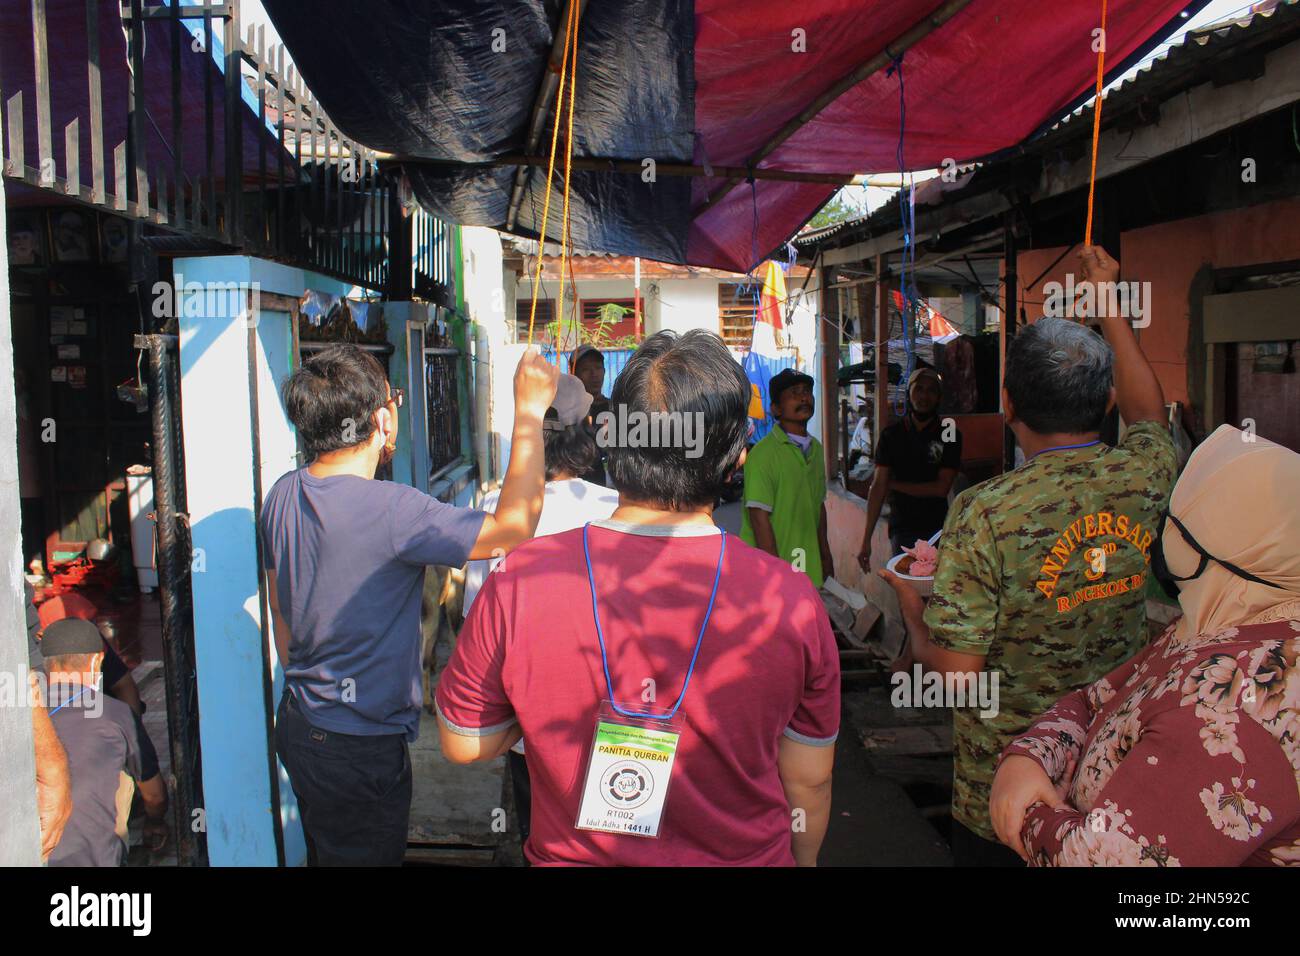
(488, 305)
(684, 304)
(20, 834)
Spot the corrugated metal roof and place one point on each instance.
(812, 235)
(1189, 54)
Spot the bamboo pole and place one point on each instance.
(636, 167)
(541, 107)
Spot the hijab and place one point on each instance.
(1239, 497)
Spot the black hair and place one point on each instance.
(692, 375)
(1059, 375)
(331, 397)
(568, 451)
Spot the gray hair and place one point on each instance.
(1059, 376)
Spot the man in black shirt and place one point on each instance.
(587, 363)
(917, 460)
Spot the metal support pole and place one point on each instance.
(173, 572)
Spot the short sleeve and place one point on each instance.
(426, 531)
(760, 483)
(265, 526)
(35, 660)
(477, 571)
(816, 720)
(113, 668)
(131, 730)
(819, 473)
(1152, 443)
(962, 614)
(952, 453)
(471, 697)
(887, 447)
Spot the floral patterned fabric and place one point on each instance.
(1187, 755)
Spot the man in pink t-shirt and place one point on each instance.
(654, 614)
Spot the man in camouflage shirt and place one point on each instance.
(1042, 570)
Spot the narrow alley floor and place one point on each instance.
(893, 784)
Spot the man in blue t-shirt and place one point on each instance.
(345, 558)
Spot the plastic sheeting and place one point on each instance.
(707, 82)
(457, 80)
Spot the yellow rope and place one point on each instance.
(568, 166)
(569, 35)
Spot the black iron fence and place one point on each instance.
(434, 259)
(441, 378)
(179, 117)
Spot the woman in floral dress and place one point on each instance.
(1188, 754)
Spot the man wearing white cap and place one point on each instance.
(570, 502)
(569, 451)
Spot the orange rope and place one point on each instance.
(550, 169)
(1096, 126)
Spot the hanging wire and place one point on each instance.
(752, 286)
(907, 268)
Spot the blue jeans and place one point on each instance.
(354, 792)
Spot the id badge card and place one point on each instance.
(628, 771)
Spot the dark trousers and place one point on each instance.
(354, 792)
(971, 849)
(523, 790)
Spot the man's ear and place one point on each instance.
(1110, 399)
(1008, 406)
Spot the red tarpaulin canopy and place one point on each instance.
(980, 83)
(709, 83)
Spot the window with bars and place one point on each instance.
(442, 398)
(545, 317)
(737, 303)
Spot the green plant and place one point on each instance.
(609, 315)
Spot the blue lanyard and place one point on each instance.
(67, 702)
(600, 634)
(1087, 444)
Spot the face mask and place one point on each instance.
(1169, 580)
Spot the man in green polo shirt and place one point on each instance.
(785, 483)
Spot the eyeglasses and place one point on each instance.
(396, 397)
